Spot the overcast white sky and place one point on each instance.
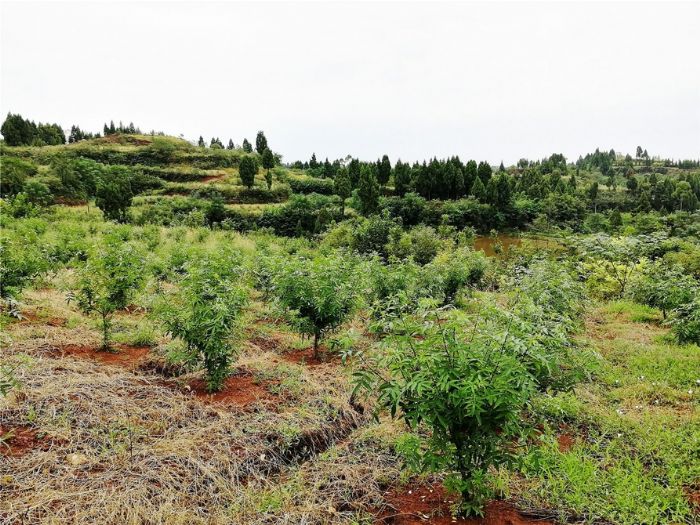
(494, 81)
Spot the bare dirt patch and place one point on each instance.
(430, 504)
(33, 319)
(20, 440)
(306, 356)
(122, 355)
(241, 389)
(212, 178)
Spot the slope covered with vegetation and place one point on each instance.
(197, 334)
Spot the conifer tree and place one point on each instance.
(247, 169)
(230, 144)
(383, 170)
(354, 172)
(478, 190)
(247, 146)
(368, 190)
(342, 187)
(402, 178)
(268, 160)
(201, 142)
(260, 143)
(484, 171)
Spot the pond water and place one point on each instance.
(487, 244)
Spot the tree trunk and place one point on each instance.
(316, 336)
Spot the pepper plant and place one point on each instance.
(460, 379)
(107, 282)
(318, 294)
(204, 313)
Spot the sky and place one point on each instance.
(491, 81)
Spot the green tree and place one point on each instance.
(204, 313)
(383, 170)
(402, 178)
(478, 190)
(615, 220)
(484, 172)
(461, 384)
(368, 190)
(318, 294)
(108, 281)
(247, 169)
(592, 193)
(113, 194)
(342, 187)
(247, 147)
(260, 143)
(200, 142)
(268, 160)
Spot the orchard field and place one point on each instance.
(195, 334)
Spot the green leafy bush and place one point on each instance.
(685, 320)
(452, 376)
(204, 313)
(662, 287)
(318, 294)
(108, 281)
(452, 270)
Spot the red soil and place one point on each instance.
(267, 344)
(33, 318)
(212, 178)
(565, 441)
(306, 356)
(238, 390)
(694, 499)
(123, 355)
(20, 440)
(431, 505)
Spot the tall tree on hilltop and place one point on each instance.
(268, 160)
(247, 146)
(478, 190)
(354, 172)
(230, 144)
(368, 190)
(201, 142)
(383, 170)
(402, 178)
(247, 169)
(342, 187)
(484, 171)
(260, 143)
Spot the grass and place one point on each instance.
(636, 429)
(134, 445)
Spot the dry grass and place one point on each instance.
(128, 446)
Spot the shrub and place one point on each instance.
(308, 185)
(685, 321)
(372, 235)
(422, 243)
(20, 262)
(204, 313)
(108, 281)
(663, 288)
(301, 215)
(13, 174)
(453, 270)
(114, 193)
(318, 294)
(454, 378)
